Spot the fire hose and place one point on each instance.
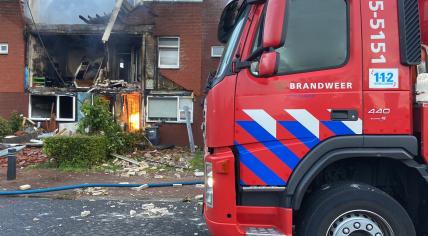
(102, 185)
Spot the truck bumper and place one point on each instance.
(217, 228)
(224, 217)
(279, 219)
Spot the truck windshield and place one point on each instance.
(227, 57)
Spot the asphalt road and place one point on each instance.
(33, 216)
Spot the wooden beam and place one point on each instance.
(113, 18)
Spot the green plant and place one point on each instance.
(197, 161)
(98, 120)
(16, 122)
(5, 128)
(80, 151)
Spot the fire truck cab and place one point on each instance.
(316, 119)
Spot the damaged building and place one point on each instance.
(148, 58)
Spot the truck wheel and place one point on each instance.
(353, 210)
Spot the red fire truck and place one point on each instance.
(317, 119)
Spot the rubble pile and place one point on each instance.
(27, 157)
(175, 157)
(146, 162)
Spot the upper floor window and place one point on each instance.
(316, 36)
(169, 52)
(217, 51)
(4, 48)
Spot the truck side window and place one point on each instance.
(316, 36)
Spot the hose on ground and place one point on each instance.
(102, 185)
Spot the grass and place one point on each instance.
(197, 162)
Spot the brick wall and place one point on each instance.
(183, 20)
(12, 96)
(196, 25)
(10, 102)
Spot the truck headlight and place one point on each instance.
(209, 183)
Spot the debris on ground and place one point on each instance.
(156, 162)
(150, 210)
(85, 213)
(132, 213)
(199, 197)
(96, 191)
(199, 174)
(126, 159)
(27, 157)
(24, 187)
(187, 199)
(139, 188)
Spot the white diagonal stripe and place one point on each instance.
(306, 119)
(355, 126)
(263, 119)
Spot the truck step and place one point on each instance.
(263, 189)
(256, 231)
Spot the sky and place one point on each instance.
(68, 11)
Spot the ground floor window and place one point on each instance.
(62, 107)
(169, 109)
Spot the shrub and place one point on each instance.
(99, 121)
(97, 118)
(5, 128)
(76, 151)
(15, 122)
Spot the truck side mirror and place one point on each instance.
(268, 64)
(273, 36)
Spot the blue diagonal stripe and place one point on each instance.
(301, 133)
(271, 143)
(258, 168)
(338, 127)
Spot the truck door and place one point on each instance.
(316, 92)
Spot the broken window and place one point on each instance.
(124, 66)
(44, 107)
(169, 109)
(169, 52)
(41, 107)
(66, 108)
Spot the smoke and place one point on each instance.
(68, 11)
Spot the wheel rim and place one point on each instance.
(360, 223)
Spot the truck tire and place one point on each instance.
(351, 209)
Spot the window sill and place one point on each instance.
(169, 68)
(168, 122)
(66, 120)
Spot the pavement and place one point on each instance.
(39, 216)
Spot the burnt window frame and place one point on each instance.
(56, 109)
